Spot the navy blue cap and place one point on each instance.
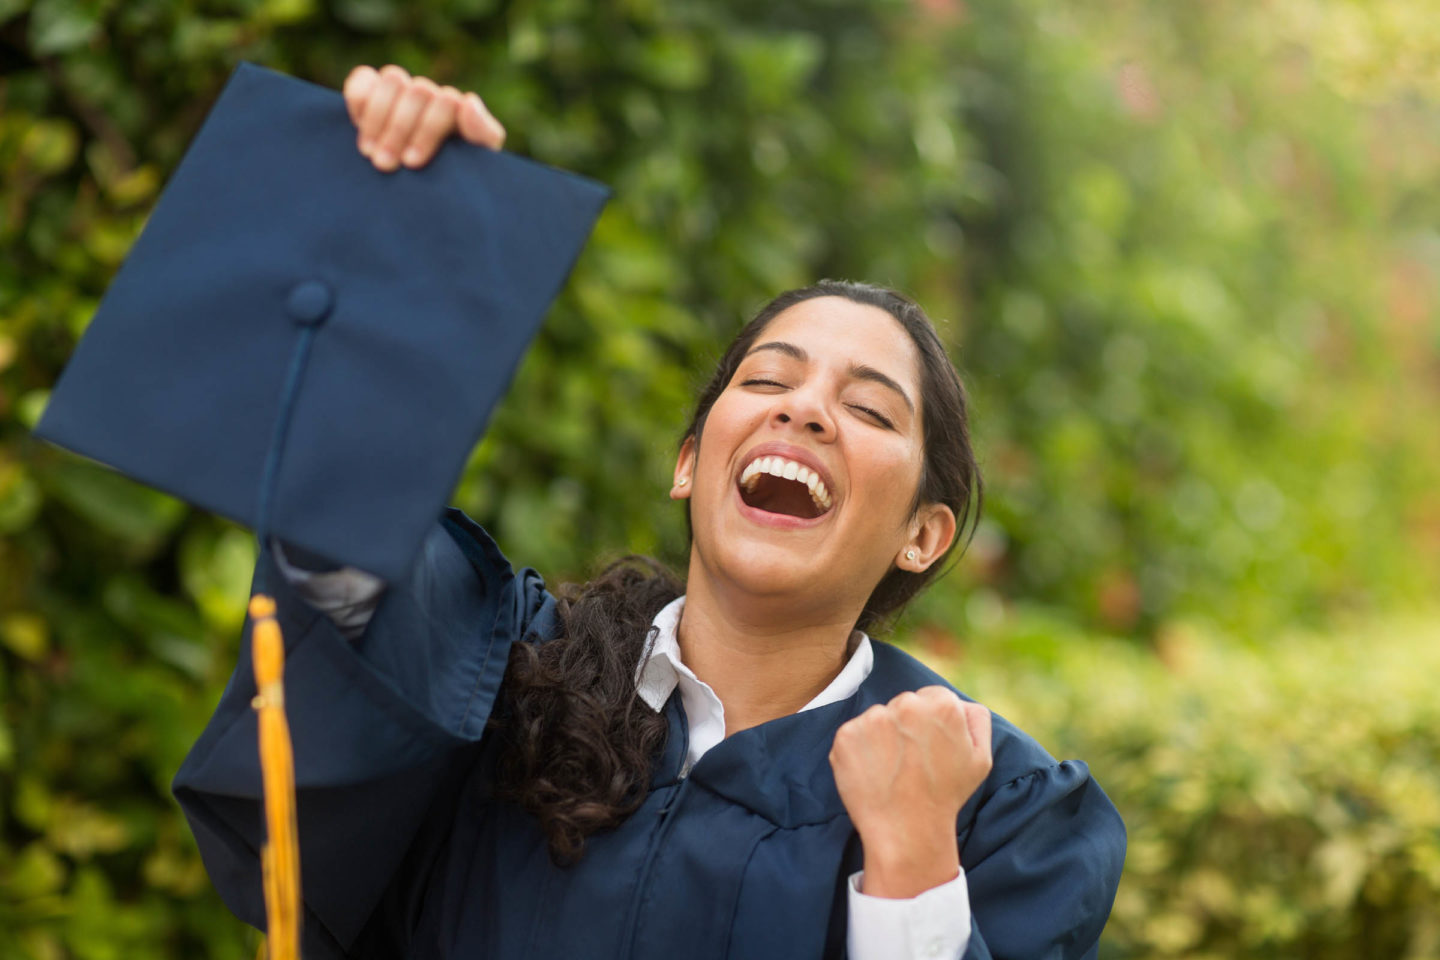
(307, 345)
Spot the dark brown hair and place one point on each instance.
(579, 743)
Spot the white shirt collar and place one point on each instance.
(658, 674)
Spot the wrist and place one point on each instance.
(901, 867)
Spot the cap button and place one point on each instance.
(310, 302)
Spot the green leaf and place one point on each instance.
(674, 60)
(374, 16)
(25, 634)
(216, 567)
(12, 8)
(57, 26)
(81, 829)
(123, 508)
(34, 872)
(31, 406)
(19, 498)
(49, 145)
(7, 747)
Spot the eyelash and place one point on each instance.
(880, 418)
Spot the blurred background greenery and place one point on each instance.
(1186, 258)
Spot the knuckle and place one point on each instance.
(393, 71)
(438, 119)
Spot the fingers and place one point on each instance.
(433, 126)
(478, 124)
(405, 119)
(378, 104)
(948, 709)
(395, 139)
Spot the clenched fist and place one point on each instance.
(904, 770)
(405, 119)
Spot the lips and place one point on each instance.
(782, 480)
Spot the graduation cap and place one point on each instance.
(307, 345)
(312, 347)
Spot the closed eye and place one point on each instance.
(875, 415)
(879, 417)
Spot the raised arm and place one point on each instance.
(398, 118)
(383, 726)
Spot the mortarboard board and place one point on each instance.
(307, 345)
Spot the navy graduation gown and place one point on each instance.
(405, 852)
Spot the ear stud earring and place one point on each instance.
(682, 481)
(909, 554)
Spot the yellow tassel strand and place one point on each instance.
(280, 857)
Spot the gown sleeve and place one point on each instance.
(1043, 857)
(381, 725)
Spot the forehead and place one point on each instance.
(838, 330)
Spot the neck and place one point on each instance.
(761, 661)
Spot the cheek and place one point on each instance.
(729, 421)
(889, 477)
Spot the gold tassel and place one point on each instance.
(280, 857)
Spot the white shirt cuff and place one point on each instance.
(932, 926)
(347, 596)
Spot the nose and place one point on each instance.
(804, 408)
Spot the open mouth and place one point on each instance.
(778, 485)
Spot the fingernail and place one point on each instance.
(411, 157)
(366, 145)
(384, 159)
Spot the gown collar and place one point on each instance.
(780, 770)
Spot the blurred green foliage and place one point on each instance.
(1185, 256)
(1282, 803)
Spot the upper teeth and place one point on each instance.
(790, 470)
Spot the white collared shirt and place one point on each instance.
(930, 926)
(658, 674)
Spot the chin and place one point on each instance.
(770, 570)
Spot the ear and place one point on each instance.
(931, 532)
(684, 470)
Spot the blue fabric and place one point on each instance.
(291, 314)
(405, 852)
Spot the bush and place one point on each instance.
(1282, 801)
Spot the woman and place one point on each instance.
(734, 770)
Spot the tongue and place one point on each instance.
(778, 495)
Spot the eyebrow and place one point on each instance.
(858, 371)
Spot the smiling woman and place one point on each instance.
(811, 561)
(724, 765)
